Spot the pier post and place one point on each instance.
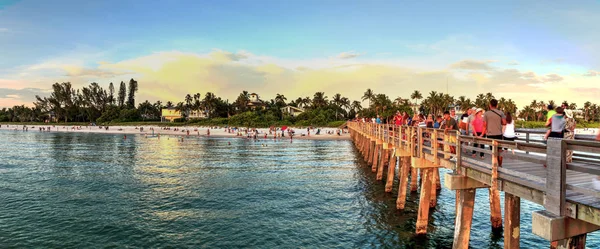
(495, 211)
(376, 156)
(464, 219)
(382, 161)
(512, 221)
(371, 152)
(389, 184)
(423, 215)
(403, 181)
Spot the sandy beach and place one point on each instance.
(300, 133)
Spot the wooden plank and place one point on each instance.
(584, 168)
(512, 221)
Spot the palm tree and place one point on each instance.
(180, 107)
(169, 104)
(306, 102)
(464, 103)
(586, 109)
(337, 101)
(356, 106)
(319, 100)
(416, 95)
(209, 103)
(368, 95)
(280, 99)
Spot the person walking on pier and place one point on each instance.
(557, 124)
(493, 120)
(569, 128)
(477, 128)
(450, 125)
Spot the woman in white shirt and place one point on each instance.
(509, 129)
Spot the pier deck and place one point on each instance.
(527, 169)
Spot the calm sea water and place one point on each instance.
(64, 190)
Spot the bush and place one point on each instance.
(129, 115)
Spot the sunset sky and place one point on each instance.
(514, 49)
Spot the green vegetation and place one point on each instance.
(93, 104)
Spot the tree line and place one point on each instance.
(93, 103)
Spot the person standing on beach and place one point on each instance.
(493, 120)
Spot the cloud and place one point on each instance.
(228, 56)
(348, 55)
(472, 65)
(4, 30)
(10, 97)
(76, 71)
(170, 75)
(513, 63)
(553, 78)
(592, 73)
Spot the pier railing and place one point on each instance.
(529, 168)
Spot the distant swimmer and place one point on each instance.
(124, 136)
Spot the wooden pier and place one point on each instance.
(530, 170)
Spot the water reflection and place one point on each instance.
(89, 190)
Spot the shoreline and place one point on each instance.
(194, 131)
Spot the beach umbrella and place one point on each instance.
(283, 128)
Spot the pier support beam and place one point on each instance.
(371, 152)
(389, 184)
(413, 179)
(563, 232)
(382, 161)
(423, 215)
(376, 157)
(512, 221)
(464, 219)
(495, 211)
(403, 181)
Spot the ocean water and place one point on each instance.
(65, 190)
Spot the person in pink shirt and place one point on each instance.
(477, 128)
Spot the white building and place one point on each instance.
(292, 110)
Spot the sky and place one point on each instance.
(523, 50)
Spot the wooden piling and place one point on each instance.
(413, 179)
(512, 221)
(495, 211)
(464, 219)
(382, 161)
(389, 184)
(423, 215)
(376, 158)
(403, 181)
(371, 152)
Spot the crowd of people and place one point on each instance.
(491, 123)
